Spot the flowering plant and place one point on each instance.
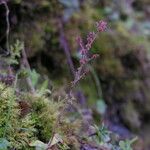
(86, 57)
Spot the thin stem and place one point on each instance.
(15, 82)
(8, 25)
(26, 65)
(97, 81)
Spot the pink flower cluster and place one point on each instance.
(101, 25)
(85, 48)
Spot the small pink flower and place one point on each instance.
(83, 61)
(83, 52)
(101, 25)
(95, 56)
(80, 42)
(90, 39)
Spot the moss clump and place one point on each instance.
(50, 117)
(16, 130)
(26, 118)
(44, 114)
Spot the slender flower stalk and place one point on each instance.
(85, 48)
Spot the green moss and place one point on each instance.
(38, 123)
(44, 113)
(111, 67)
(90, 91)
(18, 131)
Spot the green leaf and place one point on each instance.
(101, 106)
(44, 86)
(103, 135)
(34, 77)
(126, 145)
(39, 145)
